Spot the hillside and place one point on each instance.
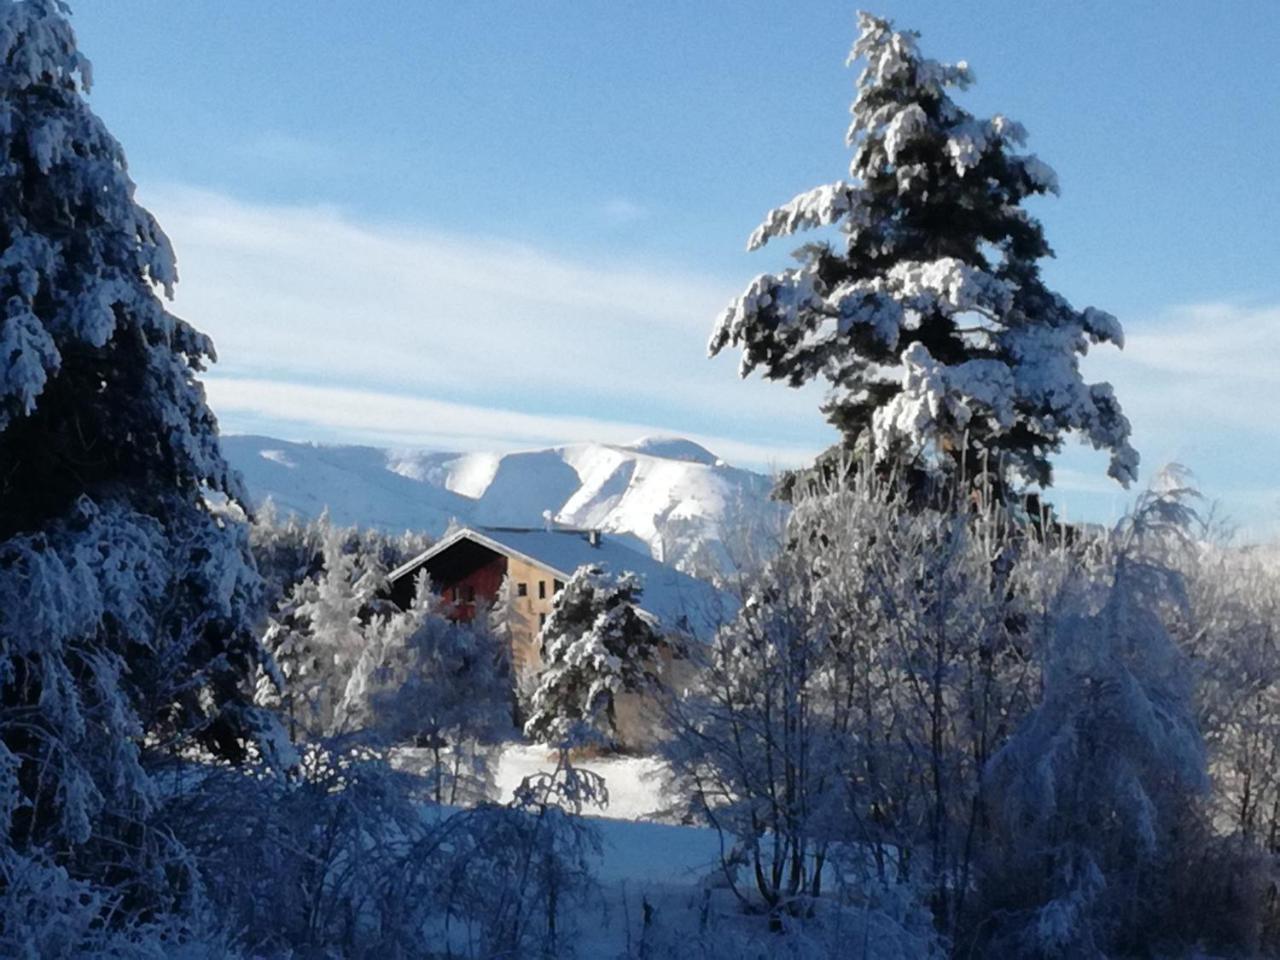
(677, 499)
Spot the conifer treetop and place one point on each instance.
(94, 370)
(932, 325)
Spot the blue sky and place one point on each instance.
(506, 224)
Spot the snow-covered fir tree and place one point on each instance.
(286, 550)
(943, 347)
(499, 613)
(323, 589)
(127, 604)
(596, 645)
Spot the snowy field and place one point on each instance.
(660, 890)
(674, 869)
(671, 868)
(634, 783)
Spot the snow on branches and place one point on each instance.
(127, 603)
(932, 325)
(79, 275)
(596, 644)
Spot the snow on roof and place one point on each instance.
(679, 601)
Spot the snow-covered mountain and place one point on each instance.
(674, 497)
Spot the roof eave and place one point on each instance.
(470, 533)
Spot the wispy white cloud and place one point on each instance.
(1191, 373)
(332, 328)
(503, 339)
(343, 414)
(1211, 340)
(1201, 386)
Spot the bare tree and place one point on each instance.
(848, 712)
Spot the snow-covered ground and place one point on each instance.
(633, 783)
(673, 497)
(660, 889)
(674, 869)
(657, 886)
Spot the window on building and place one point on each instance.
(557, 586)
(542, 619)
(522, 589)
(542, 589)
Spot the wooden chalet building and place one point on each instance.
(467, 569)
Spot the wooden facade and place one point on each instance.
(468, 576)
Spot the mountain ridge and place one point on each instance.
(671, 496)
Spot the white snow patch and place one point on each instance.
(278, 456)
(634, 783)
(471, 474)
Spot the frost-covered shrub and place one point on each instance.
(307, 864)
(523, 870)
(930, 320)
(442, 686)
(1096, 788)
(344, 858)
(999, 715)
(45, 913)
(1230, 628)
(853, 701)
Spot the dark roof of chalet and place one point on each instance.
(679, 601)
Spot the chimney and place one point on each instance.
(593, 537)
(547, 520)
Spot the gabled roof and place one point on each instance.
(679, 601)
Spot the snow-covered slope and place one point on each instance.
(688, 506)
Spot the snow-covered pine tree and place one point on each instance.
(943, 346)
(286, 549)
(322, 585)
(498, 615)
(596, 644)
(126, 602)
